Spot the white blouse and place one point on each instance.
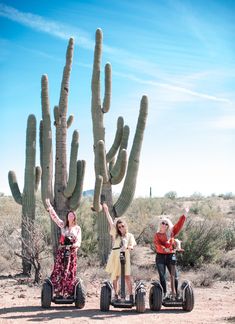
(73, 232)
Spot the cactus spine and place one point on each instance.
(67, 191)
(27, 198)
(111, 167)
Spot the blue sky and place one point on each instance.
(180, 53)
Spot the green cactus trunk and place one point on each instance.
(112, 167)
(67, 192)
(27, 199)
(104, 240)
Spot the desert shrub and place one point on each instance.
(227, 260)
(210, 210)
(196, 196)
(207, 275)
(201, 241)
(229, 236)
(171, 195)
(226, 196)
(195, 208)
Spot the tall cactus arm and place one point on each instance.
(30, 154)
(56, 116)
(46, 154)
(14, 187)
(41, 141)
(123, 146)
(101, 161)
(108, 88)
(75, 199)
(64, 91)
(96, 111)
(38, 173)
(128, 189)
(117, 140)
(70, 121)
(97, 193)
(111, 164)
(119, 175)
(72, 166)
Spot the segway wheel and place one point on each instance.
(46, 295)
(189, 299)
(140, 301)
(155, 298)
(105, 298)
(80, 296)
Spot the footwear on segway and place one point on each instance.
(48, 295)
(106, 293)
(184, 298)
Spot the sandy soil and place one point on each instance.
(20, 303)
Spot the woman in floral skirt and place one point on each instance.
(63, 276)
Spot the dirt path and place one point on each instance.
(21, 304)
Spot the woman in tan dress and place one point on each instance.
(122, 241)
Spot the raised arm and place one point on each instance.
(106, 212)
(178, 226)
(53, 214)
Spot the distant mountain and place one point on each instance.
(88, 193)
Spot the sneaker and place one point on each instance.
(165, 296)
(177, 297)
(115, 298)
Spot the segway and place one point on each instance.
(184, 298)
(106, 293)
(48, 295)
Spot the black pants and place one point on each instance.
(163, 261)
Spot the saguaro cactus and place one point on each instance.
(67, 191)
(27, 198)
(109, 169)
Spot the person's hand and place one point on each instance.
(167, 250)
(186, 211)
(105, 208)
(48, 203)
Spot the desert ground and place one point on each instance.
(20, 303)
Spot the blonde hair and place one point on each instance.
(170, 226)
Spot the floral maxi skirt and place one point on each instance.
(63, 276)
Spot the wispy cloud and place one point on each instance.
(174, 88)
(38, 23)
(63, 31)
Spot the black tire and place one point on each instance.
(155, 298)
(46, 295)
(105, 298)
(80, 299)
(140, 301)
(189, 299)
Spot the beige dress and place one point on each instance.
(113, 265)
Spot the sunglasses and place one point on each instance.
(121, 226)
(163, 223)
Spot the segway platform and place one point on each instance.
(48, 297)
(119, 303)
(185, 299)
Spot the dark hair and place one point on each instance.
(67, 221)
(119, 221)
